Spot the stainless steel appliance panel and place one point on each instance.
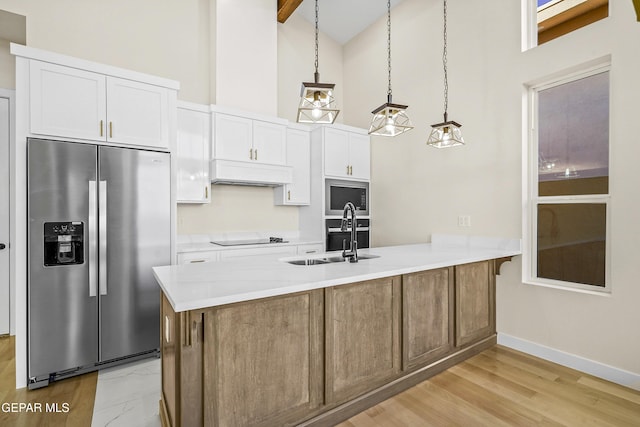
(335, 236)
(339, 192)
(135, 195)
(62, 313)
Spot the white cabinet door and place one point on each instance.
(346, 154)
(312, 248)
(299, 158)
(336, 153)
(269, 143)
(198, 257)
(67, 102)
(193, 156)
(359, 156)
(137, 113)
(233, 138)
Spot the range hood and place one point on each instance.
(245, 173)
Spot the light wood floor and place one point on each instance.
(78, 392)
(503, 387)
(499, 387)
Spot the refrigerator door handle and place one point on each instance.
(93, 238)
(102, 210)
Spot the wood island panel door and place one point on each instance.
(475, 302)
(362, 332)
(427, 323)
(263, 361)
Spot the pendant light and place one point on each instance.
(389, 119)
(447, 133)
(317, 104)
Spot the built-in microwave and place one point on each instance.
(339, 192)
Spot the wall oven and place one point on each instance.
(338, 193)
(335, 236)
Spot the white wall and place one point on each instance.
(237, 208)
(166, 38)
(483, 179)
(246, 55)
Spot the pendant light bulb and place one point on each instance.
(389, 119)
(389, 124)
(316, 112)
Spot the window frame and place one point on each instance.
(531, 199)
(529, 21)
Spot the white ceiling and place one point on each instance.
(343, 19)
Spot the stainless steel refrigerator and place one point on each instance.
(99, 219)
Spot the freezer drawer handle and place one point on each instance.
(93, 241)
(102, 227)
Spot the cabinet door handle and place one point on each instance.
(186, 329)
(251, 153)
(101, 126)
(289, 195)
(256, 156)
(167, 329)
(347, 169)
(110, 129)
(206, 192)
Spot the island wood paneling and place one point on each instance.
(475, 301)
(182, 345)
(362, 332)
(263, 361)
(427, 306)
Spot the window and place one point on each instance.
(568, 182)
(550, 19)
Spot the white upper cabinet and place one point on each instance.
(249, 149)
(269, 143)
(299, 158)
(346, 154)
(136, 113)
(192, 155)
(246, 140)
(73, 103)
(233, 138)
(359, 156)
(67, 102)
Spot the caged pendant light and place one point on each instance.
(389, 119)
(447, 133)
(317, 104)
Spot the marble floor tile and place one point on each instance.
(128, 395)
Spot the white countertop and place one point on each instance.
(195, 286)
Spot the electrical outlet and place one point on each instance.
(464, 220)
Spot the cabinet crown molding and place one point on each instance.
(83, 64)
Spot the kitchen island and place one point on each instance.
(261, 341)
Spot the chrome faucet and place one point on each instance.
(352, 253)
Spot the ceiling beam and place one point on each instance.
(636, 4)
(287, 7)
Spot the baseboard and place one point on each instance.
(597, 369)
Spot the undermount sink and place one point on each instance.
(327, 260)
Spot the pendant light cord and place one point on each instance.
(316, 62)
(444, 64)
(389, 47)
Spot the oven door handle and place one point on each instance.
(348, 230)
